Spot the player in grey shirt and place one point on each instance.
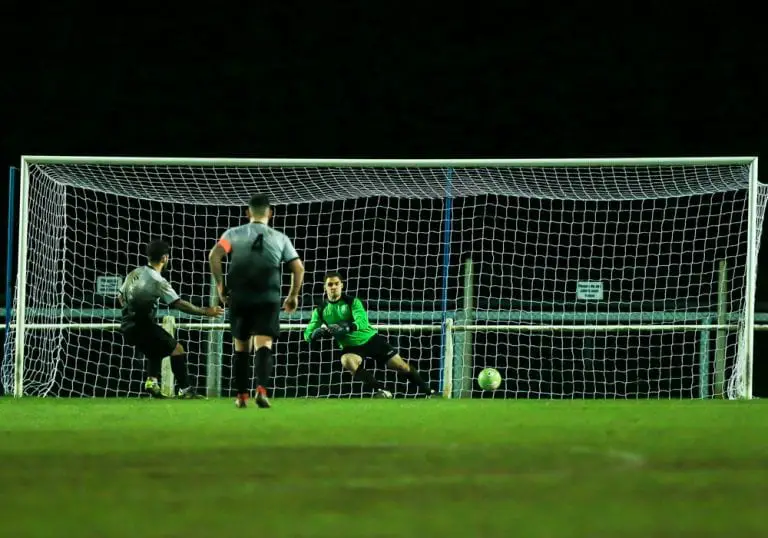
(253, 291)
(144, 288)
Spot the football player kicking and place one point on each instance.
(345, 318)
(139, 297)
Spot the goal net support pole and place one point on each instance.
(168, 381)
(215, 353)
(722, 320)
(78, 191)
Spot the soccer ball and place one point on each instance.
(489, 379)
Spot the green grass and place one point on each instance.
(371, 468)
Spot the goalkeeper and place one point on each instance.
(345, 319)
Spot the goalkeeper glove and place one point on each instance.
(318, 333)
(341, 328)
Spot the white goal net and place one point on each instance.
(575, 279)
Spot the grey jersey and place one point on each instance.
(142, 292)
(256, 255)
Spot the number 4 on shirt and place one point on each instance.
(258, 243)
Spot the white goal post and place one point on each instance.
(575, 278)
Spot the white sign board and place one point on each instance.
(108, 285)
(589, 290)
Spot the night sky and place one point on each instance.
(448, 81)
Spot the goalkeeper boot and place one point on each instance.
(261, 398)
(241, 402)
(382, 393)
(152, 386)
(190, 394)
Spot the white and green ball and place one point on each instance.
(489, 379)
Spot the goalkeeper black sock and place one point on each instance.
(361, 374)
(263, 366)
(179, 369)
(414, 377)
(242, 366)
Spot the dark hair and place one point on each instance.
(332, 274)
(156, 250)
(259, 203)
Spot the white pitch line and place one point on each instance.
(631, 459)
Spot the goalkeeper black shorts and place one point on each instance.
(151, 339)
(377, 348)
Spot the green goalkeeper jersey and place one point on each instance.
(345, 309)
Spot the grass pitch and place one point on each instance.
(376, 468)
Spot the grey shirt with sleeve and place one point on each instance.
(143, 290)
(256, 254)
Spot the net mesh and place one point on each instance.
(501, 249)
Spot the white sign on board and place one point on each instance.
(589, 290)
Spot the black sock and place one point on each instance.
(263, 366)
(155, 367)
(361, 374)
(241, 363)
(179, 369)
(414, 377)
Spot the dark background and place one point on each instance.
(632, 80)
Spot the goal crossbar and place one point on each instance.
(387, 163)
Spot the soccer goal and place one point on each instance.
(576, 278)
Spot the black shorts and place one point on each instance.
(152, 340)
(258, 319)
(377, 348)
